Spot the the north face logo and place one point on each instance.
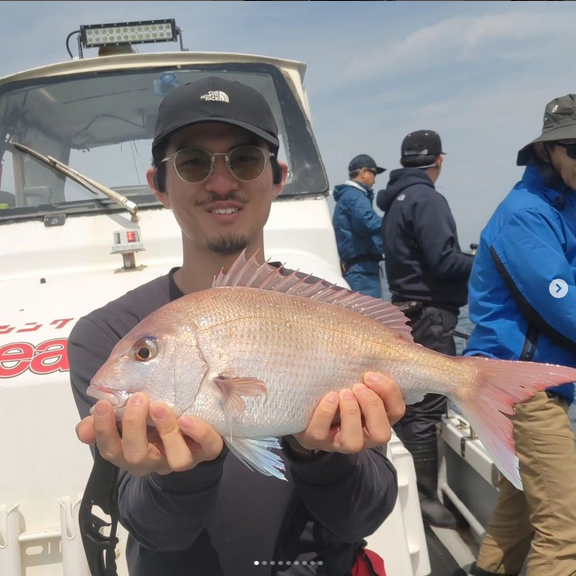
(215, 96)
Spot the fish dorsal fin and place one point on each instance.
(250, 274)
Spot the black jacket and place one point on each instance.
(422, 255)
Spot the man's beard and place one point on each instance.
(227, 245)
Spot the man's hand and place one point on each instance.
(367, 413)
(175, 445)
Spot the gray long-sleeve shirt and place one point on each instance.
(219, 518)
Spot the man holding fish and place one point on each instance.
(255, 355)
(189, 506)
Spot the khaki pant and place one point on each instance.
(542, 518)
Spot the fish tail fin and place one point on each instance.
(499, 386)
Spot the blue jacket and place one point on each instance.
(356, 224)
(529, 241)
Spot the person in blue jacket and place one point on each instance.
(357, 227)
(522, 298)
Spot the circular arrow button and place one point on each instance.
(558, 288)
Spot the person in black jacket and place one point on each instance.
(427, 274)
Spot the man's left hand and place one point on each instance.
(367, 413)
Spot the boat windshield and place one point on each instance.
(101, 124)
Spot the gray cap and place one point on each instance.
(559, 124)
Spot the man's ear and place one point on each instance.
(439, 161)
(151, 179)
(279, 187)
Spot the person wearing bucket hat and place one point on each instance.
(559, 127)
(357, 227)
(523, 304)
(427, 274)
(190, 508)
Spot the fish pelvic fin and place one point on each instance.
(500, 385)
(255, 453)
(251, 274)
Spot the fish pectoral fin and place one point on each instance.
(255, 453)
(234, 388)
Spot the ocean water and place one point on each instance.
(464, 326)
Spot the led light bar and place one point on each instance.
(96, 35)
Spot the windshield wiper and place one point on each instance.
(88, 183)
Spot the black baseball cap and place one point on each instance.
(559, 124)
(364, 161)
(422, 143)
(215, 99)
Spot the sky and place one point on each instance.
(479, 73)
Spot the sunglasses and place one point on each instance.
(570, 149)
(195, 165)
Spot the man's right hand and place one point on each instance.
(175, 446)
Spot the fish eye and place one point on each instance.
(144, 349)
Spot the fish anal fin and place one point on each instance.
(255, 453)
(250, 274)
(234, 388)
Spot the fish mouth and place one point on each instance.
(117, 398)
